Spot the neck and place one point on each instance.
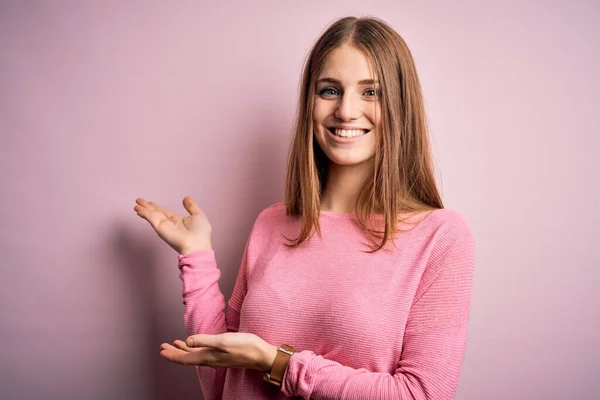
(343, 185)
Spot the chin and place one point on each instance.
(353, 154)
(350, 161)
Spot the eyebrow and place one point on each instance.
(337, 82)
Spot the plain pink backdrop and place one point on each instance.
(103, 102)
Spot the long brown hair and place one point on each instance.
(403, 179)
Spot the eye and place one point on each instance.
(328, 91)
(373, 92)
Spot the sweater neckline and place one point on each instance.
(351, 215)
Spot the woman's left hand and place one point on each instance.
(227, 350)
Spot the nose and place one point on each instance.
(348, 107)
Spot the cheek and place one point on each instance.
(375, 114)
(321, 112)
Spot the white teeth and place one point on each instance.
(349, 133)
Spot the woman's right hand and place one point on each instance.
(185, 234)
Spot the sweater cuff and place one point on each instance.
(196, 258)
(297, 378)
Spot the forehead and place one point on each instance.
(348, 65)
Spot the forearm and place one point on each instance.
(204, 311)
(204, 303)
(429, 370)
(315, 377)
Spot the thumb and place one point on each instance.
(204, 340)
(191, 206)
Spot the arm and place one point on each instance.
(190, 236)
(204, 309)
(433, 349)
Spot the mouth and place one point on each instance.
(347, 134)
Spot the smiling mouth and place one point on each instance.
(347, 133)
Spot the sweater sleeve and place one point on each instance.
(433, 346)
(204, 306)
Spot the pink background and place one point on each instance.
(103, 102)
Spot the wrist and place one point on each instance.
(279, 366)
(190, 249)
(269, 354)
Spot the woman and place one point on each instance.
(359, 285)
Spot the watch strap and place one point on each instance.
(282, 359)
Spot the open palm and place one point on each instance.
(185, 234)
(226, 350)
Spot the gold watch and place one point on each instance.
(282, 359)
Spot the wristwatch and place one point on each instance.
(284, 353)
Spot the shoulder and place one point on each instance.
(276, 210)
(263, 230)
(270, 217)
(448, 222)
(443, 231)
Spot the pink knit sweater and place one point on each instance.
(387, 325)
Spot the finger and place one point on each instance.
(207, 356)
(152, 216)
(204, 356)
(139, 204)
(181, 344)
(191, 206)
(162, 209)
(165, 346)
(173, 354)
(152, 206)
(203, 340)
(144, 205)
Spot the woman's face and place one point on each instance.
(346, 107)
